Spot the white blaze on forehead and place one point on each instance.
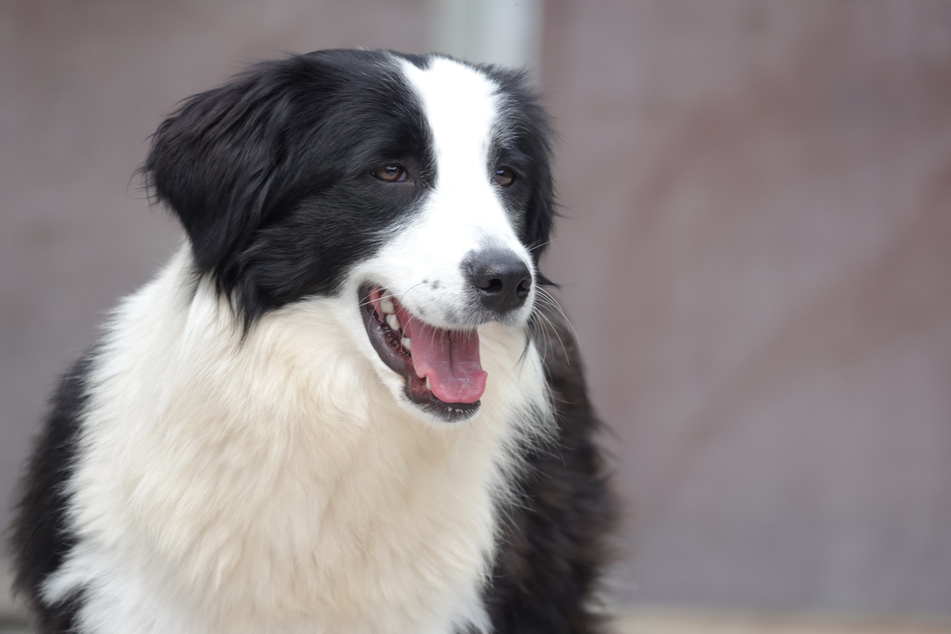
(460, 105)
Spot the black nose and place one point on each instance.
(501, 279)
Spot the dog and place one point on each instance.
(347, 404)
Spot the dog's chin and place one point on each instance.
(444, 380)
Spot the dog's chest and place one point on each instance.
(400, 536)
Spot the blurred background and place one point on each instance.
(756, 255)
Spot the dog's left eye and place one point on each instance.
(504, 176)
(391, 174)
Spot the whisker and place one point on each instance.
(554, 330)
(553, 303)
(539, 245)
(406, 292)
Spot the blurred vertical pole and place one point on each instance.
(505, 32)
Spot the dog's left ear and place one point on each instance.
(214, 162)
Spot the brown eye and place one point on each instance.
(391, 174)
(504, 176)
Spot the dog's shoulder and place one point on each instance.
(553, 546)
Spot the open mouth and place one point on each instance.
(442, 370)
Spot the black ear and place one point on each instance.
(215, 161)
(540, 213)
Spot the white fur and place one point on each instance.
(278, 483)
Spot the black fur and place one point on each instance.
(41, 536)
(531, 125)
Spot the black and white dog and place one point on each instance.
(346, 405)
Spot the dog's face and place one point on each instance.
(417, 188)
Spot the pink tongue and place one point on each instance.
(451, 361)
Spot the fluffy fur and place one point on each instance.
(234, 455)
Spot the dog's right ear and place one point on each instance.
(215, 161)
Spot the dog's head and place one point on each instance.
(418, 187)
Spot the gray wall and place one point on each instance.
(758, 261)
(756, 256)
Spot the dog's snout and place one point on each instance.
(501, 279)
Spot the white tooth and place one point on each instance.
(393, 322)
(406, 344)
(428, 386)
(387, 305)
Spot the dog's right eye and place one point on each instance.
(391, 174)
